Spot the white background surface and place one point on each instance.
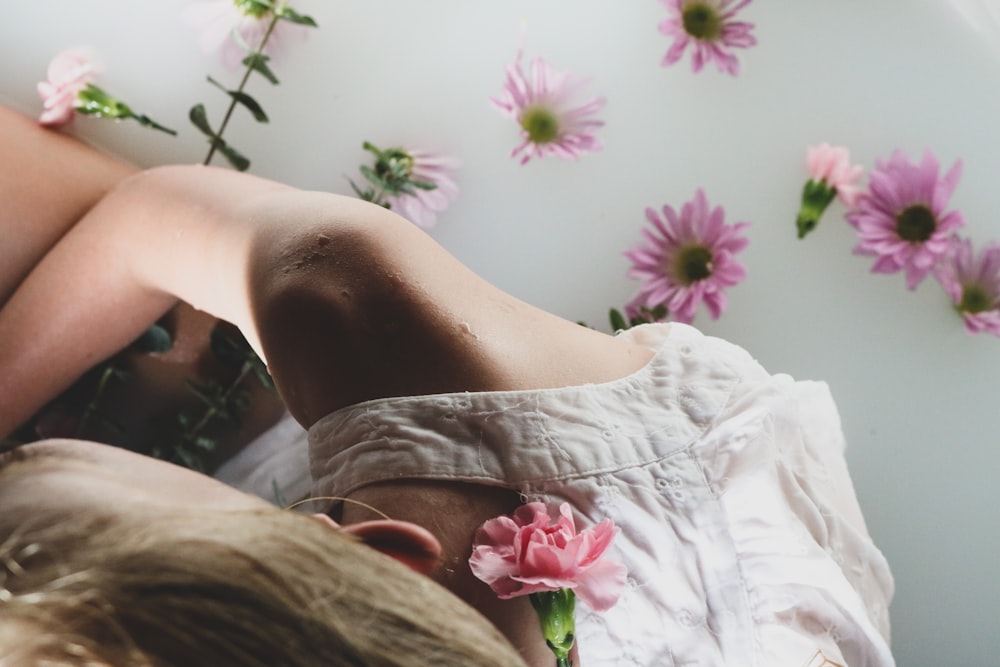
(918, 396)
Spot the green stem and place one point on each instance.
(92, 406)
(239, 89)
(207, 417)
(816, 197)
(146, 121)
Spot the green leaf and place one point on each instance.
(258, 63)
(199, 118)
(288, 14)
(617, 320)
(251, 104)
(244, 99)
(235, 158)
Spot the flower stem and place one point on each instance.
(239, 89)
(816, 197)
(210, 412)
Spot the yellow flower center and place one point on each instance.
(702, 21)
(915, 223)
(541, 125)
(693, 263)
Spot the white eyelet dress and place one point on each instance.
(740, 528)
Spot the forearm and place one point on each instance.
(48, 180)
(158, 236)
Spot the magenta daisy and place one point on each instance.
(541, 105)
(902, 221)
(688, 257)
(831, 174)
(224, 24)
(422, 205)
(973, 283)
(709, 27)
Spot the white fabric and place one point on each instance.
(744, 541)
(274, 466)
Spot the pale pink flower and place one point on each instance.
(709, 27)
(831, 174)
(973, 283)
(68, 74)
(902, 221)
(832, 166)
(525, 553)
(541, 103)
(218, 20)
(422, 206)
(687, 259)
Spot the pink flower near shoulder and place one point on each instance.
(422, 206)
(687, 257)
(69, 73)
(527, 553)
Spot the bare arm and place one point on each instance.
(347, 301)
(47, 182)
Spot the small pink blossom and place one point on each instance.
(422, 206)
(709, 27)
(687, 259)
(832, 166)
(902, 221)
(218, 20)
(973, 283)
(541, 105)
(830, 175)
(525, 554)
(69, 73)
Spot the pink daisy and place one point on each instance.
(69, 73)
(708, 26)
(421, 206)
(973, 283)
(831, 174)
(901, 221)
(541, 106)
(688, 259)
(220, 21)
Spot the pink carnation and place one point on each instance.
(832, 165)
(525, 553)
(69, 73)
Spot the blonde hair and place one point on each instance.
(257, 588)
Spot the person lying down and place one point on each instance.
(437, 399)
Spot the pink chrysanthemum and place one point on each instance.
(218, 20)
(708, 26)
(422, 206)
(541, 106)
(901, 220)
(688, 259)
(973, 283)
(69, 73)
